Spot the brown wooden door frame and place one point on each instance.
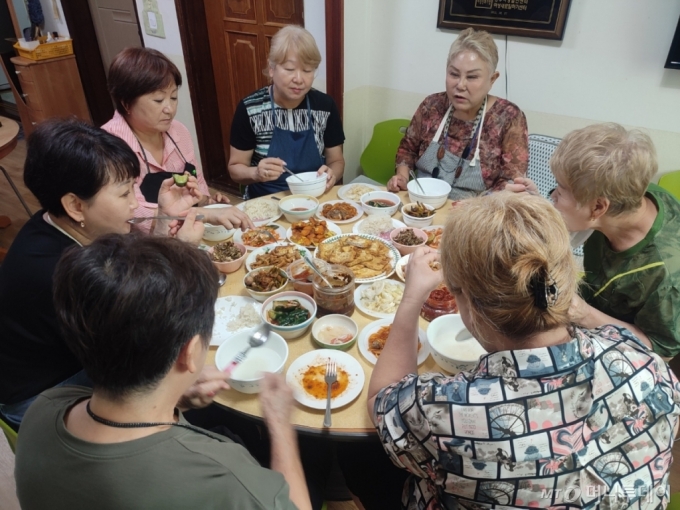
(201, 80)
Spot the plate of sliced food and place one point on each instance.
(260, 236)
(379, 299)
(311, 232)
(306, 377)
(356, 190)
(369, 257)
(234, 314)
(280, 255)
(261, 210)
(373, 338)
(434, 235)
(379, 225)
(340, 211)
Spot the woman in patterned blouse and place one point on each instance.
(554, 415)
(470, 139)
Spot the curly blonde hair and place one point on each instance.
(479, 41)
(494, 247)
(606, 160)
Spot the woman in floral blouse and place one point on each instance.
(554, 416)
(470, 139)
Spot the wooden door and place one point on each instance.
(240, 33)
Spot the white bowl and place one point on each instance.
(290, 332)
(412, 221)
(306, 202)
(263, 296)
(380, 195)
(436, 191)
(311, 184)
(335, 320)
(271, 357)
(217, 232)
(454, 349)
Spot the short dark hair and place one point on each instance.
(71, 156)
(127, 304)
(135, 72)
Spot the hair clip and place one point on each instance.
(545, 291)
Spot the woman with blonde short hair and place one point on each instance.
(288, 123)
(546, 405)
(472, 140)
(632, 260)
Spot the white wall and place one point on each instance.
(609, 67)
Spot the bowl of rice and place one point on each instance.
(228, 256)
(217, 232)
(261, 211)
(311, 184)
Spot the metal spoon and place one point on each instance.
(285, 168)
(413, 174)
(134, 221)
(222, 279)
(257, 339)
(316, 270)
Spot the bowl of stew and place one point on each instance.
(380, 202)
(228, 256)
(298, 207)
(407, 239)
(418, 214)
(290, 313)
(264, 282)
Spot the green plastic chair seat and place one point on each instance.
(671, 183)
(10, 434)
(378, 158)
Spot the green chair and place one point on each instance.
(378, 157)
(671, 183)
(674, 503)
(10, 434)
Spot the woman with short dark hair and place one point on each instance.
(138, 314)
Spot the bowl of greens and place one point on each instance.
(289, 313)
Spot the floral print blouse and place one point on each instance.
(504, 149)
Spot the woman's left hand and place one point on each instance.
(330, 176)
(173, 200)
(421, 279)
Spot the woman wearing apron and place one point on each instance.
(464, 136)
(287, 124)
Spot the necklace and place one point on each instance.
(137, 425)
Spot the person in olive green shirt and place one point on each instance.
(138, 313)
(632, 259)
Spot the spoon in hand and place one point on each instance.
(285, 168)
(257, 339)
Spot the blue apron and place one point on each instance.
(297, 148)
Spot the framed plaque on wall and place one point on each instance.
(530, 18)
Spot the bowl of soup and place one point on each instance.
(246, 377)
(298, 207)
(453, 347)
(380, 202)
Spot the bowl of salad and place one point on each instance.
(290, 313)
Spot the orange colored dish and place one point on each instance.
(314, 384)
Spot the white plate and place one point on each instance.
(400, 267)
(227, 308)
(395, 224)
(373, 327)
(320, 357)
(432, 227)
(342, 192)
(356, 205)
(252, 256)
(238, 237)
(331, 226)
(394, 256)
(378, 315)
(259, 223)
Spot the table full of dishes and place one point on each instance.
(358, 237)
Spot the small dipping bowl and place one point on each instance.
(326, 325)
(298, 207)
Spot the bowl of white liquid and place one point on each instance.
(246, 377)
(453, 347)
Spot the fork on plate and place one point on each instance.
(330, 378)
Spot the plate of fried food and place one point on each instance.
(356, 190)
(306, 377)
(340, 211)
(369, 257)
(260, 236)
(374, 336)
(280, 255)
(434, 235)
(311, 232)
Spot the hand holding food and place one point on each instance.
(422, 278)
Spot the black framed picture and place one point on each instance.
(673, 60)
(530, 18)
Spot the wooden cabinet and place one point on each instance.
(49, 88)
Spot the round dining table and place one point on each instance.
(352, 421)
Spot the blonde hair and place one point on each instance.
(606, 160)
(297, 40)
(479, 41)
(494, 247)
